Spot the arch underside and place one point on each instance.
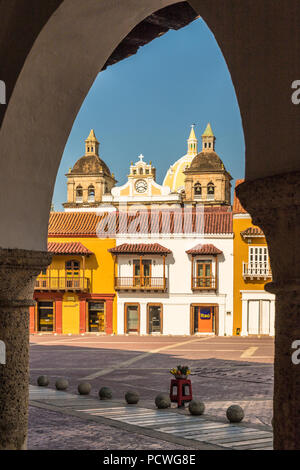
(75, 40)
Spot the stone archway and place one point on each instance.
(53, 65)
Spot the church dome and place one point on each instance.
(175, 175)
(206, 161)
(90, 165)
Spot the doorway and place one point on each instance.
(142, 272)
(259, 317)
(203, 319)
(154, 322)
(45, 316)
(96, 322)
(132, 318)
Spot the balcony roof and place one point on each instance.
(252, 232)
(72, 248)
(140, 248)
(204, 250)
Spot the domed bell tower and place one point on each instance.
(206, 180)
(89, 180)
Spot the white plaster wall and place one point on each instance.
(176, 302)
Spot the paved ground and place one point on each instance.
(224, 371)
(170, 425)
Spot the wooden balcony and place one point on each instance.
(204, 283)
(141, 283)
(258, 270)
(68, 284)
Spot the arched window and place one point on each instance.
(141, 171)
(79, 194)
(197, 190)
(210, 191)
(91, 194)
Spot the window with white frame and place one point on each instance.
(258, 262)
(258, 254)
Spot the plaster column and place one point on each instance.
(58, 315)
(274, 204)
(18, 271)
(82, 314)
(244, 329)
(32, 319)
(109, 314)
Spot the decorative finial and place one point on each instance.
(141, 157)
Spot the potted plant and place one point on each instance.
(180, 372)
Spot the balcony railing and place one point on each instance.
(256, 270)
(141, 283)
(204, 283)
(62, 284)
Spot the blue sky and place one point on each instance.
(147, 103)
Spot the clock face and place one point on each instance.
(141, 186)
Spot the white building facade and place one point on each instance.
(176, 283)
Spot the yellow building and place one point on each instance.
(253, 306)
(76, 293)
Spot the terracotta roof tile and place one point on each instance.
(204, 250)
(237, 206)
(73, 223)
(151, 248)
(252, 232)
(89, 224)
(68, 248)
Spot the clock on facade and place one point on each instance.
(141, 186)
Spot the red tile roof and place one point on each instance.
(73, 223)
(204, 250)
(253, 232)
(88, 224)
(134, 248)
(75, 248)
(237, 206)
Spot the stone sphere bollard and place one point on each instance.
(162, 401)
(235, 414)
(196, 407)
(61, 384)
(84, 388)
(105, 393)
(132, 397)
(43, 381)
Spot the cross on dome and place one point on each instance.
(141, 158)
